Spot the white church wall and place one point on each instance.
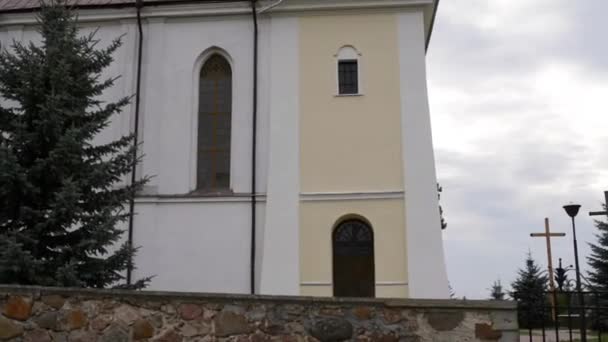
(426, 264)
(208, 240)
(280, 272)
(181, 45)
(195, 245)
(189, 244)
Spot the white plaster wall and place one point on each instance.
(187, 244)
(202, 246)
(426, 265)
(280, 273)
(195, 246)
(170, 116)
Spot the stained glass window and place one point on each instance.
(214, 125)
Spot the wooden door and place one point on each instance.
(353, 260)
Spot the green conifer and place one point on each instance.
(529, 290)
(598, 260)
(62, 198)
(497, 291)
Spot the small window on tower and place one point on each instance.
(348, 77)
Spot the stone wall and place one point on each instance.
(52, 314)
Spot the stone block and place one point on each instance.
(445, 320)
(82, 336)
(486, 332)
(229, 323)
(18, 307)
(115, 333)
(37, 335)
(101, 322)
(142, 329)
(391, 316)
(363, 313)
(9, 329)
(73, 319)
(189, 312)
(47, 320)
(332, 329)
(54, 301)
(126, 314)
(169, 336)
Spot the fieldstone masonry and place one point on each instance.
(38, 314)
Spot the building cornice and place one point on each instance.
(351, 196)
(230, 8)
(331, 5)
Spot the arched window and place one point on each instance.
(349, 74)
(214, 125)
(353, 259)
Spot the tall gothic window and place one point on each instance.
(353, 259)
(214, 125)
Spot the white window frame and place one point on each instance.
(349, 53)
(198, 66)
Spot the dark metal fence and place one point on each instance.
(563, 316)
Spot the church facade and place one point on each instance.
(289, 142)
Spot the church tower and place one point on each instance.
(361, 205)
(367, 214)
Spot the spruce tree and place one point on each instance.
(529, 290)
(598, 260)
(61, 198)
(496, 291)
(444, 223)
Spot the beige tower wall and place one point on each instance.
(350, 147)
(318, 219)
(350, 143)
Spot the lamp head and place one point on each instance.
(572, 209)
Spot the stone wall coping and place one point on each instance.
(37, 291)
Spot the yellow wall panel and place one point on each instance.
(350, 143)
(317, 219)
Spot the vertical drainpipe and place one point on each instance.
(139, 4)
(254, 142)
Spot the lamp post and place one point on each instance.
(572, 211)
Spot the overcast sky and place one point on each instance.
(519, 104)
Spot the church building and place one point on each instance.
(288, 142)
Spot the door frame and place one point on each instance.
(337, 225)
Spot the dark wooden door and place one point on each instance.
(353, 260)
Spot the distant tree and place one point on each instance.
(452, 292)
(444, 224)
(598, 260)
(497, 291)
(61, 202)
(529, 290)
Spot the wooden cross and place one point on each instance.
(548, 235)
(605, 212)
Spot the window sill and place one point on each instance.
(198, 198)
(348, 95)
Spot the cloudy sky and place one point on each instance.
(519, 102)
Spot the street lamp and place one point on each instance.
(572, 211)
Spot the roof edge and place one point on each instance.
(132, 4)
(432, 25)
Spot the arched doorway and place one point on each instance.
(353, 259)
